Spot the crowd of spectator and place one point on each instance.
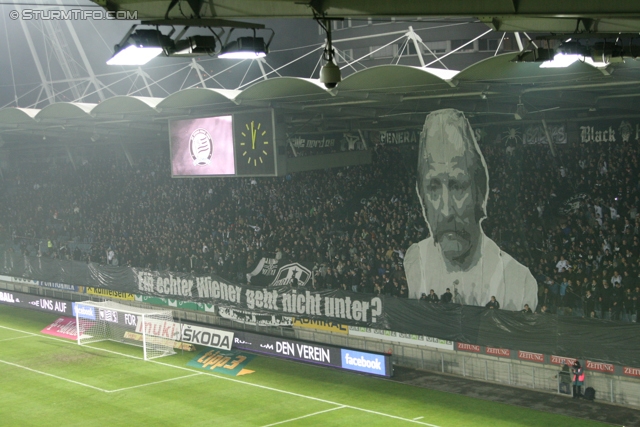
(571, 217)
(352, 223)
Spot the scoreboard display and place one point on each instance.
(240, 144)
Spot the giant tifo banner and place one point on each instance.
(458, 258)
(281, 297)
(613, 342)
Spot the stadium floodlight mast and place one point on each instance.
(152, 329)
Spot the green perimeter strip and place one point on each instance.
(221, 361)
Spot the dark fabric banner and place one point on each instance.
(280, 272)
(613, 342)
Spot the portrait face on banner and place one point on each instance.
(452, 186)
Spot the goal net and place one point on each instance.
(153, 330)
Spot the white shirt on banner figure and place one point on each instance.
(452, 186)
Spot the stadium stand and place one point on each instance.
(571, 218)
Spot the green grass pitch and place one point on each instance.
(47, 381)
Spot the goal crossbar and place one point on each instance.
(112, 321)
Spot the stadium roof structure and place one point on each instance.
(558, 16)
(382, 97)
(495, 90)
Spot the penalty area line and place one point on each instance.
(291, 393)
(317, 399)
(305, 416)
(72, 342)
(155, 382)
(17, 338)
(32, 335)
(53, 376)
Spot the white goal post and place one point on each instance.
(153, 330)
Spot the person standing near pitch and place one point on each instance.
(578, 379)
(453, 187)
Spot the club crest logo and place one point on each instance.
(201, 147)
(288, 272)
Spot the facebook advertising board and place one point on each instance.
(370, 363)
(241, 144)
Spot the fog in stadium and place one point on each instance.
(331, 213)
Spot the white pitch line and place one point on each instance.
(417, 418)
(291, 393)
(113, 352)
(53, 376)
(17, 338)
(18, 330)
(155, 382)
(305, 416)
(70, 342)
(93, 387)
(317, 399)
(31, 335)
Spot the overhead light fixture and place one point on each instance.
(598, 64)
(251, 47)
(139, 47)
(521, 110)
(562, 60)
(535, 55)
(244, 48)
(598, 55)
(194, 46)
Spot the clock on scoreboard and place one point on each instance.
(239, 144)
(254, 143)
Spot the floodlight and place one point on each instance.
(535, 55)
(139, 47)
(134, 55)
(195, 46)
(562, 60)
(245, 48)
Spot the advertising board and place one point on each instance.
(372, 363)
(36, 302)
